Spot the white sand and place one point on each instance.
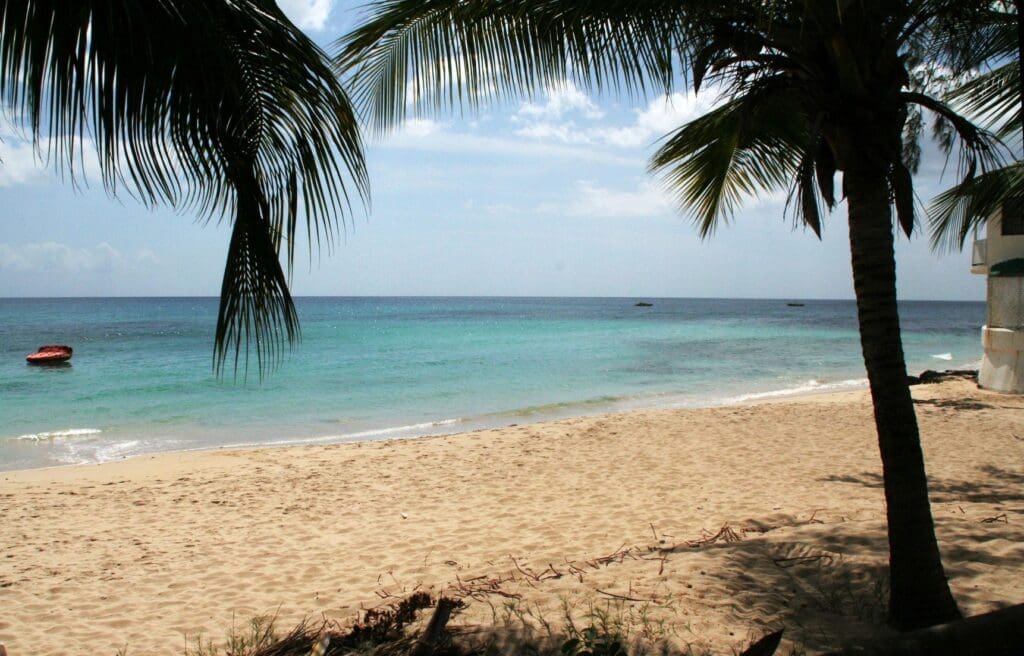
(145, 551)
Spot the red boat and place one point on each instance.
(50, 354)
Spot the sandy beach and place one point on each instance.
(619, 513)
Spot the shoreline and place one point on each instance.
(149, 550)
(472, 424)
(333, 441)
(460, 425)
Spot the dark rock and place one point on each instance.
(930, 377)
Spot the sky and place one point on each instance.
(548, 196)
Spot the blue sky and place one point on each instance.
(545, 197)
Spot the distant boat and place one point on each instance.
(642, 304)
(50, 354)
(795, 304)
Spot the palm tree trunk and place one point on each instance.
(919, 592)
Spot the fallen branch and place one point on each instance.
(618, 596)
(786, 563)
(433, 636)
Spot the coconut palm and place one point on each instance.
(220, 107)
(997, 97)
(809, 89)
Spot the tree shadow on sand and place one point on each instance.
(959, 404)
(827, 585)
(992, 485)
(822, 592)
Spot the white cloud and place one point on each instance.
(565, 133)
(54, 257)
(661, 116)
(22, 163)
(492, 209)
(419, 127)
(555, 118)
(558, 102)
(439, 140)
(593, 201)
(647, 200)
(19, 163)
(307, 14)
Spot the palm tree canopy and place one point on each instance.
(793, 74)
(441, 54)
(996, 98)
(222, 108)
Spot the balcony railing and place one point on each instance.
(979, 254)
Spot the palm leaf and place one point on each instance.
(994, 98)
(957, 212)
(903, 197)
(441, 54)
(222, 108)
(969, 34)
(750, 144)
(980, 151)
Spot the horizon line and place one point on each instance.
(492, 296)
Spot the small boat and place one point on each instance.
(50, 354)
(795, 304)
(642, 304)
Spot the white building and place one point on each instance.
(1000, 256)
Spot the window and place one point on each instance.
(1013, 216)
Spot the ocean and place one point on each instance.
(141, 379)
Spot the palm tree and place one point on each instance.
(810, 89)
(997, 96)
(221, 107)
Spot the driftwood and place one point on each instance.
(766, 646)
(999, 633)
(434, 635)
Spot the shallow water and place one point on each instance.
(372, 368)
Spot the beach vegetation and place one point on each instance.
(610, 630)
(806, 91)
(258, 634)
(222, 109)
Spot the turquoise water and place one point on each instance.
(373, 368)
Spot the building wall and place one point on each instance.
(1002, 367)
(1001, 248)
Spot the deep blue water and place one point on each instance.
(371, 368)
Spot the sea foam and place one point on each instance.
(58, 434)
(811, 386)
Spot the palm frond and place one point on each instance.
(256, 307)
(957, 212)
(221, 108)
(994, 99)
(750, 144)
(808, 210)
(966, 35)
(902, 185)
(980, 150)
(440, 54)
